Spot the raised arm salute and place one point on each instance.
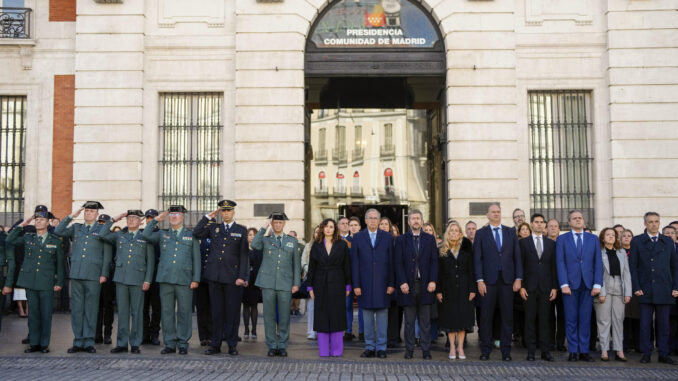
(90, 261)
(43, 259)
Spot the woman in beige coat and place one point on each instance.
(616, 292)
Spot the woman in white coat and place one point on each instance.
(616, 292)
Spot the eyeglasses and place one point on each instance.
(175, 214)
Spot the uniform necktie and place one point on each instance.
(226, 229)
(279, 240)
(40, 240)
(579, 245)
(654, 239)
(540, 249)
(497, 238)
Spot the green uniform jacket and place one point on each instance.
(91, 256)
(41, 261)
(135, 257)
(281, 266)
(179, 255)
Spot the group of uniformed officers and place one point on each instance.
(169, 259)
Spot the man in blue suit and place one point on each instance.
(579, 264)
(416, 266)
(373, 281)
(654, 277)
(499, 272)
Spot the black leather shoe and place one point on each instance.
(427, 355)
(183, 351)
(361, 336)
(212, 351)
(586, 357)
(32, 348)
(282, 352)
(75, 349)
(135, 350)
(530, 357)
(44, 349)
(272, 352)
(645, 359)
(25, 340)
(408, 355)
(561, 348)
(167, 350)
(667, 360)
(506, 358)
(99, 340)
(232, 351)
(367, 354)
(381, 354)
(573, 357)
(119, 350)
(204, 343)
(484, 357)
(348, 336)
(547, 356)
(107, 340)
(90, 349)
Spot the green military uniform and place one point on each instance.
(43, 259)
(179, 266)
(90, 259)
(280, 270)
(134, 266)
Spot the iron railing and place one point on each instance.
(15, 22)
(12, 158)
(357, 155)
(339, 156)
(560, 154)
(320, 156)
(387, 150)
(190, 156)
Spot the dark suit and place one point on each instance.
(581, 272)
(202, 295)
(228, 261)
(417, 266)
(539, 279)
(654, 270)
(372, 271)
(498, 269)
(152, 302)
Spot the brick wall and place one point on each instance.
(62, 10)
(62, 145)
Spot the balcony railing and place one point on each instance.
(321, 192)
(339, 191)
(357, 155)
(320, 156)
(339, 156)
(388, 192)
(15, 23)
(356, 191)
(387, 150)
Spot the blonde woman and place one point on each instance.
(456, 288)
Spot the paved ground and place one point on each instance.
(302, 364)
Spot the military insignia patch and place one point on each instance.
(289, 244)
(188, 238)
(236, 235)
(51, 246)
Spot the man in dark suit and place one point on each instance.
(539, 286)
(227, 272)
(373, 281)
(152, 296)
(579, 264)
(499, 272)
(416, 267)
(654, 276)
(202, 297)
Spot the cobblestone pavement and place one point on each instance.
(302, 364)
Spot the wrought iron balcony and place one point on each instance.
(356, 191)
(320, 156)
(339, 191)
(388, 192)
(387, 150)
(15, 22)
(339, 156)
(357, 155)
(321, 192)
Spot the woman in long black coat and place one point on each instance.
(456, 288)
(328, 281)
(251, 295)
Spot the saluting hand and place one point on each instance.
(213, 214)
(77, 213)
(161, 217)
(120, 217)
(26, 222)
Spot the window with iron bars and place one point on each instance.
(12, 158)
(190, 157)
(560, 154)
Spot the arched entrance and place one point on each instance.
(375, 112)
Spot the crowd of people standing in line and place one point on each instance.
(528, 283)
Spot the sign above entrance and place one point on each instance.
(379, 24)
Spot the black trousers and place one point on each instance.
(225, 300)
(395, 322)
(106, 310)
(538, 307)
(203, 312)
(423, 312)
(498, 294)
(558, 316)
(152, 312)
